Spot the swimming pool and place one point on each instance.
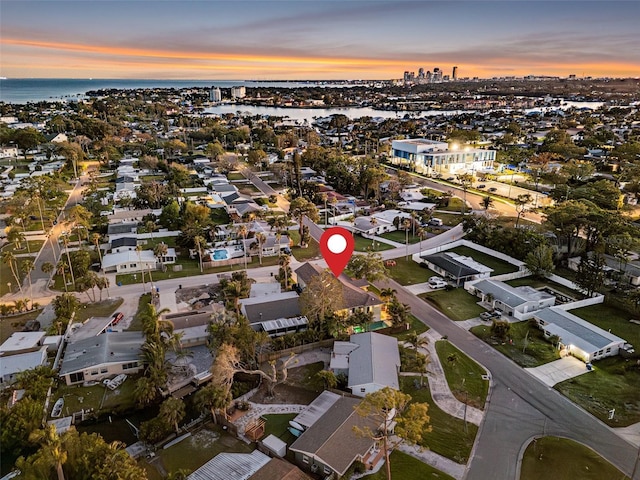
(220, 254)
(372, 326)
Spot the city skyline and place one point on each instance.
(316, 40)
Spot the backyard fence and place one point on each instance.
(269, 356)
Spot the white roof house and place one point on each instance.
(584, 340)
(11, 365)
(129, 261)
(518, 302)
(231, 466)
(372, 361)
(21, 342)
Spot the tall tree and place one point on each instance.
(301, 207)
(369, 266)
(214, 398)
(540, 260)
(172, 411)
(521, 202)
(321, 297)
(10, 259)
(388, 405)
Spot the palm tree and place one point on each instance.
(27, 267)
(95, 238)
(10, 259)
(47, 267)
(138, 250)
(201, 243)
(261, 238)
(284, 261)
(150, 227)
(16, 237)
(487, 202)
(145, 391)
(242, 231)
(65, 240)
(52, 446)
(214, 398)
(61, 269)
(386, 294)
(172, 411)
(416, 342)
(161, 250)
(233, 292)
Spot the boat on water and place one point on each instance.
(56, 411)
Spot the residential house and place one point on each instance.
(330, 445)
(456, 268)
(20, 342)
(12, 365)
(121, 227)
(628, 271)
(370, 360)
(355, 298)
(277, 313)
(231, 466)
(130, 261)
(581, 338)
(274, 246)
(56, 137)
(518, 302)
(96, 358)
(124, 244)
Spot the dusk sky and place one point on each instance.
(316, 39)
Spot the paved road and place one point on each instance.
(520, 406)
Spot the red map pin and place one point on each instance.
(336, 245)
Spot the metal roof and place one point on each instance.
(272, 307)
(273, 325)
(317, 408)
(376, 360)
(511, 296)
(231, 466)
(115, 347)
(22, 341)
(573, 330)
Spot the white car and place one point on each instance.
(436, 279)
(437, 284)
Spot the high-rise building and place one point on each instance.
(454, 74)
(238, 92)
(215, 95)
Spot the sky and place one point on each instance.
(314, 39)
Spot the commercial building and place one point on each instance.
(238, 92)
(215, 95)
(431, 157)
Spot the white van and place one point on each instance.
(436, 222)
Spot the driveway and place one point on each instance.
(558, 371)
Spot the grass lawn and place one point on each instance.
(99, 309)
(613, 383)
(7, 276)
(406, 467)
(303, 254)
(399, 236)
(408, 272)
(196, 450)
(447, 436)
(235, 176)
(457, 304)
(34, 247)
(150, 243)
(499, 267)
(365, 245)
(136, 323)
(455, 205)
(463, 375)
(10, 325)
(277, 425)
(448, 219)
(611, 319)
(415, 326)
(568, 460)
(538, 352)
(99, 398)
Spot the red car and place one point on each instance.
(116, 318)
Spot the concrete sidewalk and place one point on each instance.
(631, 433)
(419, 288)
(456, 470)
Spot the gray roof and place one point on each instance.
(274, 325)
(450, 265)
(332, 440)
(114, 347)
(376, 360)
(231, 466)
(124, 242)
(307, 271)
(573, 330)
(511, 296)
(273, 307)
(317, 408)
(116, 228)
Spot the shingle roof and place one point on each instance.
(576, 331)
(124, 242)
(332, 439)
(113, 347)
(115, 228)
(317, 408)
(511, 296)
(261, 309)
(278, 469)
(376, 360)
(307, 271)
(450, 265)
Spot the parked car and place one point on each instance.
(117, 317)
(438, 284)
(489, 315)
(482, 185)
(436, 279)
(436, 222)
(493, 189)
(450, 179)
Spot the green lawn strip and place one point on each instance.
(408, 272)
(399, 237)
(10, 325)
(136, 323)
(367, 245)
(277, 425)
(33, 248)
(235, 176)
(406, 467)
(196, 450)
(463, 375)
(499, 267)
(98, 397)
(455, 205)
(613, 383)
(7, 276)
(537, 283)
(568, 460)
(611, 319)
(457, 304)
(150, 243)
(415, 325)
(447, 436)
(303, 254)
(448, 219)
(104, 308)
(538, 351)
